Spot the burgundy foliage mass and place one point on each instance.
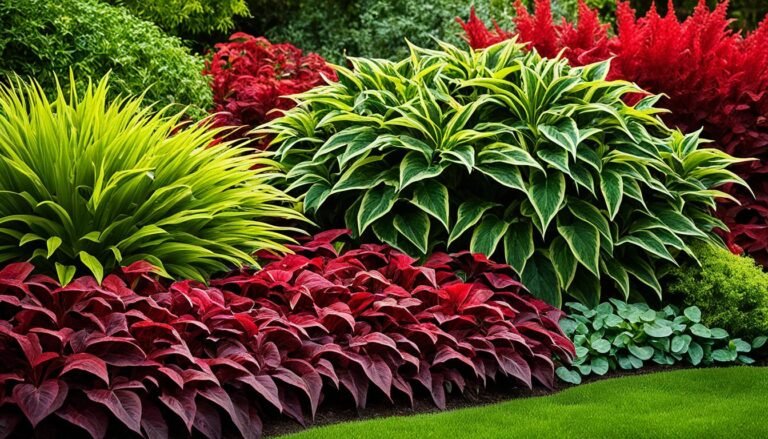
(136, 357)
(251, 77)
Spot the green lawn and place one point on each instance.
(728, 402)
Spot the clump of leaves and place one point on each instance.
(42, 39)
(711, 76)
(618, 335)
(87, 185)
(136, 357)
(731, 290)
(504, 152)
(251, 79)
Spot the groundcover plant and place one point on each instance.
(619, 335)
(504, 152)
(87, 185)
(134, 356)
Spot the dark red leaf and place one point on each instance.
(37, 403)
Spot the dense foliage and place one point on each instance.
(731, 290)
(370, 28)
(131, 355)
(251, 78)
(42, 39)
(88, 185)
(617, 335)
(188, 17)
(712, 77)
(500, 151)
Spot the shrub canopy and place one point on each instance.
(188, 17)
(506, 152)
(731, 290)
(87, 185)
(42, 39)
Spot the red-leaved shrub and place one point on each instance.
(133, 356)
(250, 78)
(714, 78)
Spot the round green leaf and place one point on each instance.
(641, 352)
(568, 376)
(693, 313)
(656, 330)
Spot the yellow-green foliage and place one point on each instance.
(731, 290)
(87, 185)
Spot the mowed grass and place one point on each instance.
(723, 402)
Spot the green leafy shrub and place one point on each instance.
(41, 39)
(370, 28)
(501, 151)
(731, 290)
(188, 16)
(617, 335)
(87, 185)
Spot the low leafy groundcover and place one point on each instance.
(135, 355)
(687, 403)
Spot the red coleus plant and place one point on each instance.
(132, 356)
(251, 77)
(713, 78)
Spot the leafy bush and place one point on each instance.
(88, 184)
(131, 355)
(617, 335)
(498, 149)
(713, 78)
(41, 39)
(250, 78)
(731, 290)
(188, 16)
(370, 28)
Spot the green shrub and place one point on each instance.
(87, 185)
(501, 151)
(42, 39)
(731, 290)
(188, 16)
(618, 335)
(370, 28)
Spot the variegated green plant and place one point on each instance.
(505, 153)
(87, 185)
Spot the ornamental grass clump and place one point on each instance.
(87, 185)
(506, 153)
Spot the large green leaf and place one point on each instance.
(540, 278)
(565, 134)
(376, 203)
(505, 174)
(432, 197)
(414, 225)
(415, 167)
(563, 261)
(546, 193)
(612, 187)
(518, 245)
(469, 214)
(487, 235)
(584, 241)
